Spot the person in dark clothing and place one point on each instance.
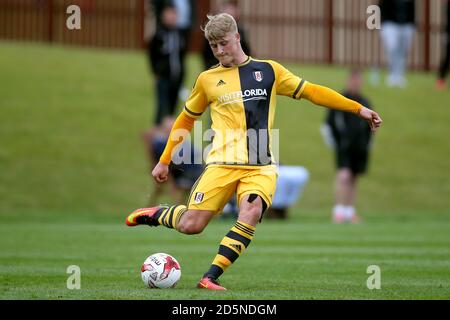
(397, 30)
(166, 53)
(445, 63)
(351, 139)
(186, 18)
(186, 9)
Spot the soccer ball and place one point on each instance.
(160, 270)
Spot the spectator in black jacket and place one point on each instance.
(351, 138)
(166, 52)
(397, 30)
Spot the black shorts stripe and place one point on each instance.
(298, 88)
(228, 253)
(195, 186)
(196, 114)
(236, 236)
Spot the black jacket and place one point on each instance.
(349, 131)
(166, 50)
(398, 11)
(158, 6)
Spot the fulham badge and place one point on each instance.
(198, 197)
(258, 75)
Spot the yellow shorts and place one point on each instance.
(217, 184)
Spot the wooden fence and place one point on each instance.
(105, 23)
(307, 31)
(335, 31)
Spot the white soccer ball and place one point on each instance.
(160, 270)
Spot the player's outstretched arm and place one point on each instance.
(181, 128)
(329, 98)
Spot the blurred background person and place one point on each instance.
(166, 51)
(186, 17)
(231, 7)
(182, 176)
(445, 62)
(187, 13)
(351, 139)
(397, 30)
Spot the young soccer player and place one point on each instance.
(241, 92)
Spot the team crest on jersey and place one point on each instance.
(258, 75)
(198, 197)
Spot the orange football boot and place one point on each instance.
(143, 216)
(210, 284)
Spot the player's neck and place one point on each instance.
(243, 58)
(238, 60)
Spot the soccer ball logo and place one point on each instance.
(160, 270)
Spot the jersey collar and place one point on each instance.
(247, 61)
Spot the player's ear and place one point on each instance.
(238, 36)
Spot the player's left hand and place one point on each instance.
(372, 118)
(160, 172)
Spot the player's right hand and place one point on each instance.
(160, 172)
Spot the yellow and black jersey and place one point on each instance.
(242, 101)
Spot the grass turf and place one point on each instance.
(72, 166)
(286, 261)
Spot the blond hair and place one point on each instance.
(218, 26)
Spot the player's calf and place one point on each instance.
(194, 221)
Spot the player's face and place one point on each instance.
(225, 49)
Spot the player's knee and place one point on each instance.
(345, 175)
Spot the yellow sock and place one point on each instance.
(231, 247)
(171, 216)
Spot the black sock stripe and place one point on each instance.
(228, 253)
(236, 236)
(243, 229)
(214, 272)
(172, 210)
(159, 213)
(180, 214)
(163, 217)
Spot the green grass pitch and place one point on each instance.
(72, 167)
